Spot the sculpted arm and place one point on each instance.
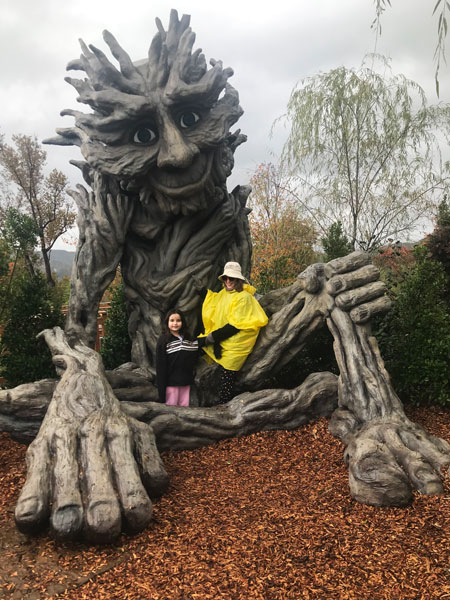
(103, 221)
(350, 284)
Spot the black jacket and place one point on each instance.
(175, 363)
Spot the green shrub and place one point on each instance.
(116, 345)
(23, 358)
(438, 242)
(414, 337)
(317, 356)
(336, 244)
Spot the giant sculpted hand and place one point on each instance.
(350, 285)
(388, 456)
(82, 471)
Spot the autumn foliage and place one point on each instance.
(394, 263)
(282, 240)
(41, 199)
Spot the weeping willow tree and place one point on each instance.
(440, 13)
(365, 151)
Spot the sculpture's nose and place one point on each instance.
(174, 151)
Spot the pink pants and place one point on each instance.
(177, 395)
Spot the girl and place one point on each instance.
(232, 320)
(176, 355)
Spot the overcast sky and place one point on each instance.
(270, 45)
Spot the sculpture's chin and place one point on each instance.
(183, 182)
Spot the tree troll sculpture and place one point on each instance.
(158, 150)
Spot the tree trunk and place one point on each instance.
(47, 265)
(29, 264)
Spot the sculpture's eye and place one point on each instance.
(145, 134)
(188, 119)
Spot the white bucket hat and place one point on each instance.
(232, 269)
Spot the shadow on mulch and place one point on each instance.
(266, 517)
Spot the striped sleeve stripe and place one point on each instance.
(178, 345)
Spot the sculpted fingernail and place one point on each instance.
(103, 521)
(27, 508)
(335, 285)
(103, 515)
(67, 520)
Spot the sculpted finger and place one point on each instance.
(136, 505)
(435, 450)
(349, 281)
(67, 509)
(348, 263)
(433, 454)
(421, 473)
(424, 478)
(350, 299)
(153, 473)
(33, 507)
(365, 312)
(102, 518)
(375, 478)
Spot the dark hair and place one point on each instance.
(183, 331)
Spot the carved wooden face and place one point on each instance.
(180, 142)
(163, 144)
(159, 126)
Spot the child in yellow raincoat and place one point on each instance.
(232, 319)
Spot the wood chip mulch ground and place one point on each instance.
(267, 517)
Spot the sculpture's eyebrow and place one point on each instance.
(192, 97)
(191, 103)
(141, 112)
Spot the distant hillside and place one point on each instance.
(61, 262)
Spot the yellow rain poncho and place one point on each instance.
(241, 310)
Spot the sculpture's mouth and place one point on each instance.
(183, 182)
